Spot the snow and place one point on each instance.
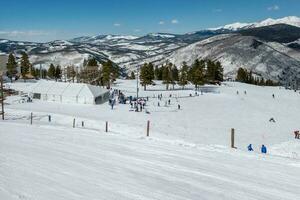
(290, 20)
(187, 155)
(162, 35)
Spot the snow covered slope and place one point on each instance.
(44, 163)
(187, 155)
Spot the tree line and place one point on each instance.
(199, 73)
(246, 76)
(91, 72)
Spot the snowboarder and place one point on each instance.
(263, 149)
(250, 147)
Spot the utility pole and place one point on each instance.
(137, 83)
(2, 96)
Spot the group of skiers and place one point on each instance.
(263, 148)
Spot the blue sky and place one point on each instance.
(45, 20)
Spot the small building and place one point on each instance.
(67, 92)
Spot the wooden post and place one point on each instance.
(2, 96)
(106, 126)
(232, 138)
(31, 115)
(148, 128)
(74, 123)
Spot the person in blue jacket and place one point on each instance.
(250, 147)
(263, 149)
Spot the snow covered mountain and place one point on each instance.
(269, 48)
(291, 20)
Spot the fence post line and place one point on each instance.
(232, 138)
(148, 128)
(74, 123)
(106, 126)
(31, 118)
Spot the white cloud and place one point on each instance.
(174, 21)
(161, 22)
(18, 33)
(117, 24)
(217, 10)
(273, 8)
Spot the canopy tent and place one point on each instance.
(67, 92)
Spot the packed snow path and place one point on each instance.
(47, 162)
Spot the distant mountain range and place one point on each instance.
(270, 49)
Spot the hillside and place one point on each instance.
(187, 155)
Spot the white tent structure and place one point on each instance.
(67, 92)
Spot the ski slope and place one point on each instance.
(187, 155)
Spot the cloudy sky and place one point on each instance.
(45, 20)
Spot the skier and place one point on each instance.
(169, 101)
(273, 95)
(158, 104)
(178, 106)
(237, 92)
(245, 92)
(250, 147)
(263, 149)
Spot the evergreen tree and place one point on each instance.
(25, 65)
(146, 75)
(158, 73)
(106, 74)
(92, 62)
(241, 75)
(175, 75)
(11, 66)
(132, 76)
(197, 73)
(167, 74)
(57, 72)
(219, 76)
(183, 75)
(51, 71)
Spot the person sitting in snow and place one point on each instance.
(263, 149)
(250, 147)
(272, 120)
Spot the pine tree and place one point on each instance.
(11, 66)
(158, 73)
(175, 75)
(51, 71)
(57, 72)
(132, 76)
(25, 65)
(242, 75)
(167, 75)
(92, 62)
(197, 73)
(147, 75)
(219, 76)
(183, 75)
(106, 74)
